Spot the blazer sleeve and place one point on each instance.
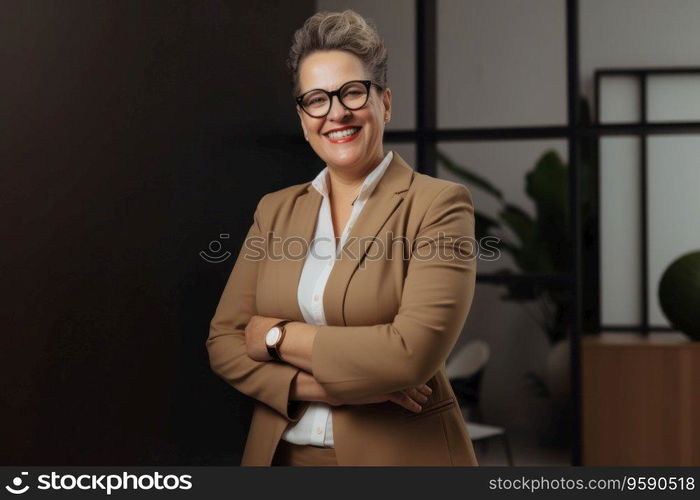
(352, 362)
(268, 382)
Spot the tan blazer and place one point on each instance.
(392, 321)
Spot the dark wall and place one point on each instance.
(133, 134)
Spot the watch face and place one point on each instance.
(272, 336)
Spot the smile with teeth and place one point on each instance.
(342, 134)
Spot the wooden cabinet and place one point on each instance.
(641, 400)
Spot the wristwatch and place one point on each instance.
(274, 338)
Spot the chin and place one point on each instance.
(344, 159)
(343, 162)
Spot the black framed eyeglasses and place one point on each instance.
(352, 95)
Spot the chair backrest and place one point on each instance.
(469, 360)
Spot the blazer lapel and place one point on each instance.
(302, 225)
(379, 207)
(383, 201)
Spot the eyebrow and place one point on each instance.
(337, 87)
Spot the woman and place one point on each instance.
(342, 340)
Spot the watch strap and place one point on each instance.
(273, 350)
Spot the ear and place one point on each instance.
(303, 125)
(386, 99)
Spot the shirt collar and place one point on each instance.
(371, 181)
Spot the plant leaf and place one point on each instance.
(519, 222)
(547, 186)
(468, 176)
(484, 224)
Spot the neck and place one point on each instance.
(346, 183)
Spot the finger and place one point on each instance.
(424, 389)
(410, 404)
(417, 396)
(402, 399)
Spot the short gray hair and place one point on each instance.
(346, 31)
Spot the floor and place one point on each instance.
(525, 449)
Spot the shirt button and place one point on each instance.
(318, 430)
(316, 298)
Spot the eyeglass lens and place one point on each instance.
(353, 95)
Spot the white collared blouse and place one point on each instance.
(316, 425)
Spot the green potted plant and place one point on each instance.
(679, 294)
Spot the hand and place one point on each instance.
(255, 332)
(412, 398)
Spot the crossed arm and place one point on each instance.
(297, 350)
(344, 365)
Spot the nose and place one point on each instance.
(338, 112)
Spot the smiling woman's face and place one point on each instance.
(329, 70)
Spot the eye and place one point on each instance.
(315, 100)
